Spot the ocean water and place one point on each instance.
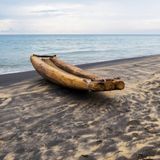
(15, 50)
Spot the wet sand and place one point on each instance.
(39, 120)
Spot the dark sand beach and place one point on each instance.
(39, 120)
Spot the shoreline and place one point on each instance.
(11, 78)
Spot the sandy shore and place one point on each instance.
(39, 120)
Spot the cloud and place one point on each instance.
(5, 25)
(103, 16)
(54, 9)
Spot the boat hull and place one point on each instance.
(46, 67)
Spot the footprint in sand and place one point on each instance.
(4, 102)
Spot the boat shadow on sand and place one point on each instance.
(78, 95)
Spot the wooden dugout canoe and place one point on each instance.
(67, 75)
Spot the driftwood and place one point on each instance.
(59, 72)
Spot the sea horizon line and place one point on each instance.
(80, 34)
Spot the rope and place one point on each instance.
(88, 81)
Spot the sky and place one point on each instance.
(79, 16)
